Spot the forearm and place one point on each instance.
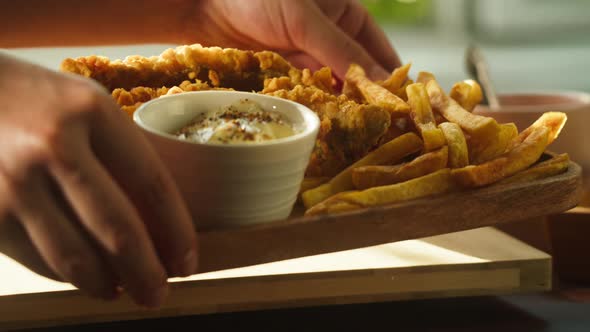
(91, 22)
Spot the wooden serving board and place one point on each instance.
(303, 236)
(482, 261)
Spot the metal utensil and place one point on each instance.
(477, 68)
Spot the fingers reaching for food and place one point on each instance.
(311, 34)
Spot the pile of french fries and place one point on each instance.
(442, 146)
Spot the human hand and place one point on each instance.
(309, 33)
(83, 197)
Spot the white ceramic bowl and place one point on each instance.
(524, 108)
(227, 185)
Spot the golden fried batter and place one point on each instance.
(321, 79)
(130, 100)
(239, 69)
(348, 130)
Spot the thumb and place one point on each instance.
(328, 44)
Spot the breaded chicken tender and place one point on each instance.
(226, 67)
(130, 100)
(348, 130)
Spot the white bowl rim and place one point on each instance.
(310, 119)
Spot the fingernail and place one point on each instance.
(156, 297)
(189, 263)
(377, 73)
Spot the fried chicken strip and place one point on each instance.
(348, 130)
(226, 67)
(130, 100)
(321, 79)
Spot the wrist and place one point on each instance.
(107, 22)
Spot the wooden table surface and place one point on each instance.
(524, 313)
(566, 308)
(479, 262)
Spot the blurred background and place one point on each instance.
(529, 44)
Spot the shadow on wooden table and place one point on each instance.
(456, 315)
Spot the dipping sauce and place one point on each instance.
(242, 122)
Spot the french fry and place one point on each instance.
(372, 176)
(523, 155)
(458, 152)
(476, 125)
(556, 165)
(523, 151)
(332, 205)
(374, 93)
(425, 164)
(424, 77)
(487, 149)
(467, 93)
(312, 182)
(439, 118)
(401, 92)
(397, 79)
(352, 92)
(388, 153)
(377, 175)
(431, 184)
(314, 196)
(554, 121)
(422, 116)
(435, 183)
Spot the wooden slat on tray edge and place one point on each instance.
(507, 267)
(304, 236)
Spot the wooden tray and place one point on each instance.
(303, 236)
(476, 262)
(483, 261)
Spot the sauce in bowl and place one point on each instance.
(244, 121)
